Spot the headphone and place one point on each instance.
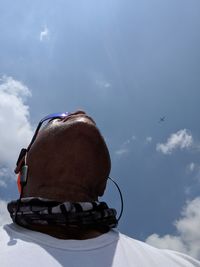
(22, 170)
(121, 198)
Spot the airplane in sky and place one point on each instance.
(162, 119)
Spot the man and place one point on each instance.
(58, 220)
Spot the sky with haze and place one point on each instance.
(127, 64)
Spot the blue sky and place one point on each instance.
(127, 63)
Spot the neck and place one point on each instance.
(68, 232)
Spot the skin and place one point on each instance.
(69, 161)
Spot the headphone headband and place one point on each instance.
(22, 154)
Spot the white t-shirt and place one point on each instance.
(20, 247)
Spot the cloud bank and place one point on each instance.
(188, 238)
(15, 126)
(179, 140)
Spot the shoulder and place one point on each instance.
(149, 254)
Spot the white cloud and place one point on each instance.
(107, 85)
(15, 127)
(188, 238)
(44, 34)
(128, 141)
(191, 166)
(133, 137)
(121, 151)
(4, 215)
(149, 139)
(181, 139)
(3, 183)
(194, 169)
(125, 147)
(5, 175)
(103, 84)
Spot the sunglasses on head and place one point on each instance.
(22, 155)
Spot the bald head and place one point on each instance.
(69, 161)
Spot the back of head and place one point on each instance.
(69, 161)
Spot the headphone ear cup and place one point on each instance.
(22, 178)
(18, 182)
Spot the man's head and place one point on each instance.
(68, 161)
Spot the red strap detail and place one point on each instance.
(18, 182)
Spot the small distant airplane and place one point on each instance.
(162, 119)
